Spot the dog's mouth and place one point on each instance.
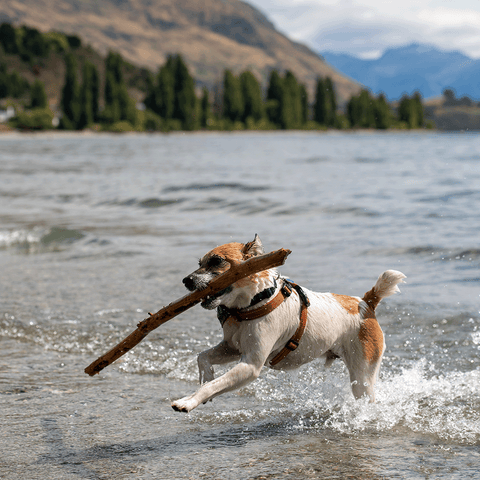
(213, 301)
(210, 303)
(196, 282)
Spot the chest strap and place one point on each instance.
(225, 313)
(293, 343)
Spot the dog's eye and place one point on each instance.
(215, 262)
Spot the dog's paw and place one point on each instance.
(184, 404)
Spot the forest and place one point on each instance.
(99, 98)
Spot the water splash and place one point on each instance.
(443, 406)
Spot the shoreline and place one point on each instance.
(91, 133)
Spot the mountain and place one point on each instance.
(414, 67)
(211, 35)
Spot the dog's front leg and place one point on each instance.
(237, 377)
(218, 355)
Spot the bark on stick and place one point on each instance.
(232, 275)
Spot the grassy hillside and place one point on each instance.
(51, 71)
(211, 36)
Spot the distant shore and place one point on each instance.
(91, 133)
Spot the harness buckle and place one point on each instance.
(286, 290)
(292, 345)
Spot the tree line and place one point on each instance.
(367, 111)
(170, 99)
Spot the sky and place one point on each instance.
(366, 28)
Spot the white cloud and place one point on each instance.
(367, 27)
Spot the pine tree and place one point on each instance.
(408, 112)
(8, 38)
(95, 86)
(118, 104)
(417, 101)
(34, 44)
(331, 102)
(4, 81)
(325, 106)
(252, 96)
(165, 91)
(161, 91)
(17, 85)
(204, 108)
(38, 97)
(361, 110)
(87, 96)
(383, 115)
(233, 105)
(172, 93)
(70, 95)
(111, 111)
(274, 98)
(185, 99)
(320, 113)
(304, 102)
(367, 118)
(291, 106)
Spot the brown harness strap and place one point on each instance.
(283, 294)
(264, 309)
(293, 343)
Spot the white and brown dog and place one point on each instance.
(267, 320)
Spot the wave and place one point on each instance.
(38, 239)
(449, 196)
(217, 186)
(151, 202)
(436, 253)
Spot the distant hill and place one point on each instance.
(211, 35)
(410, 68)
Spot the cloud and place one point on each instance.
(365, 39)
(368, 27)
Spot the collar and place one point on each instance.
(240, 315)
(264, 294)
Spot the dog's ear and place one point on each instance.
(252, 249)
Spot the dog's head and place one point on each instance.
(218, 261)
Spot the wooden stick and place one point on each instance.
(232, 275)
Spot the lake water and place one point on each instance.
(96, 231)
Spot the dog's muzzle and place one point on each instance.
(192, 283)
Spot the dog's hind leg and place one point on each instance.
(363, 379)
(364, 359)
(218, 355)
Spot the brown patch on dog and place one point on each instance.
(371, 338)
(244, 282)
(262, 274)
(231, 251)
(348, 303)
(235, 253)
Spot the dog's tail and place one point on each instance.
(386, 285)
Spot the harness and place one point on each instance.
(224, 313)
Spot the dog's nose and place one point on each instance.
(189, 283)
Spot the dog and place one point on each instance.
(268, 320)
